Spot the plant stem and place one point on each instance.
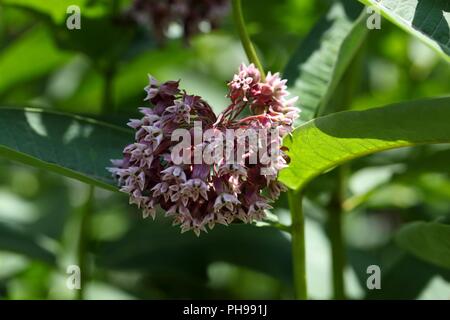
(115, 6)
(343, 99)
(338, 256)
(297, 228)
(245, 38)
(108, 87)
(335, 220)
(84, 219)
(298, 244)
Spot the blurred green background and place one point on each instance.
(42, 64)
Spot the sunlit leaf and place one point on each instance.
(326, 142)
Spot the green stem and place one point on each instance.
(115, 6)
(298, 244)
(282, 227)
(343, 99)
(108, 87)
(109, 70)
(277, 225)
(84, 219)
(335, 221)
(245, 38)
(338, 256)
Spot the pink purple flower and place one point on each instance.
(198, 196)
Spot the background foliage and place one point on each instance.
(396, 205)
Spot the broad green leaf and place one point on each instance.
(74, 146)
(326, 142)
(29, 57)
(319, 64)
(429, 241)
(56, 9)
(428, 20)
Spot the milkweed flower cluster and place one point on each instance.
(190, 14)
(236, 185)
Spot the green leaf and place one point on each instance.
(70, 145)
(319, 64)
(429, 241)
(428, 20)
(323, 143)
(16, 64)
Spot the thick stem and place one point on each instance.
(245, 38)
(84, 219)
(298, 244)
(338, 255)
(115, 7)
(109, 70)
(335, 221)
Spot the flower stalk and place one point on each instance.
(245, 38)
(108, 91)
(298, 244)
(335, 224)
(85, 214)
(297, 229)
